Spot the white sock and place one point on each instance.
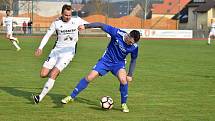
(47, 87)
(209, 40)
(16, 45)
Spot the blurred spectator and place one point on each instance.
(24, 25)
(30, 27)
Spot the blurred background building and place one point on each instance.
(196, 15)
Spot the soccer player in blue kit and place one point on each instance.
(113, 60)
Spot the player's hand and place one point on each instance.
(38, 52)
(81, 27)
(129, 78)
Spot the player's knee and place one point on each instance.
(53, 75)
(43, 75)
(90, 77)
(123, 80)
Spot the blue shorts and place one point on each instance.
(103, 67)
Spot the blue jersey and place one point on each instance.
(117, 49)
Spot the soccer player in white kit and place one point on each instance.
(66, 29)
(9, 30)
(212, 33)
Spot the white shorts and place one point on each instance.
(10, 33)
(9, 30)
(59, 58)
(212, 33)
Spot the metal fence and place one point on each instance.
(119, 13)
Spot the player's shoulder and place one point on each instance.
(135, 45)
(79, 20)
(75, 19)
(57, 20)
(121, 32)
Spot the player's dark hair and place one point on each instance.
(7, 10)
(66, 7)
(135, 34)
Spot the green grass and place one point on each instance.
(173, 81)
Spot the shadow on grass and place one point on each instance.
(86, 101)
(56, 98)
(20, 92)
(203, 76)
(17, 92)
(101, 109)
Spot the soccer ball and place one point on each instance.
(106, 102)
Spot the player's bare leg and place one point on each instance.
(92, 75)
(122, 77)
(83, 83)
(53, 74)
(14, 41)
(209, 40)
(44, 72)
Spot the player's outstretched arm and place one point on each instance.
(95, 25)
(45, 39)
(14, 22)
(106, 28)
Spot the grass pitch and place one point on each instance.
(174, 81)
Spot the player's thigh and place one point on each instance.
(54, 73)
(212, 34)
(122, 76)
(8, 35)
(92, 75)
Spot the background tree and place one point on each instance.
(6, 4)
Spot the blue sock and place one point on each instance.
(81, 86)
(124, 93)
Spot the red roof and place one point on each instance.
(169, 6)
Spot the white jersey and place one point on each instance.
(9, 24)
(212, 31)
(67, 36)
(213, 25)
(67, 32)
